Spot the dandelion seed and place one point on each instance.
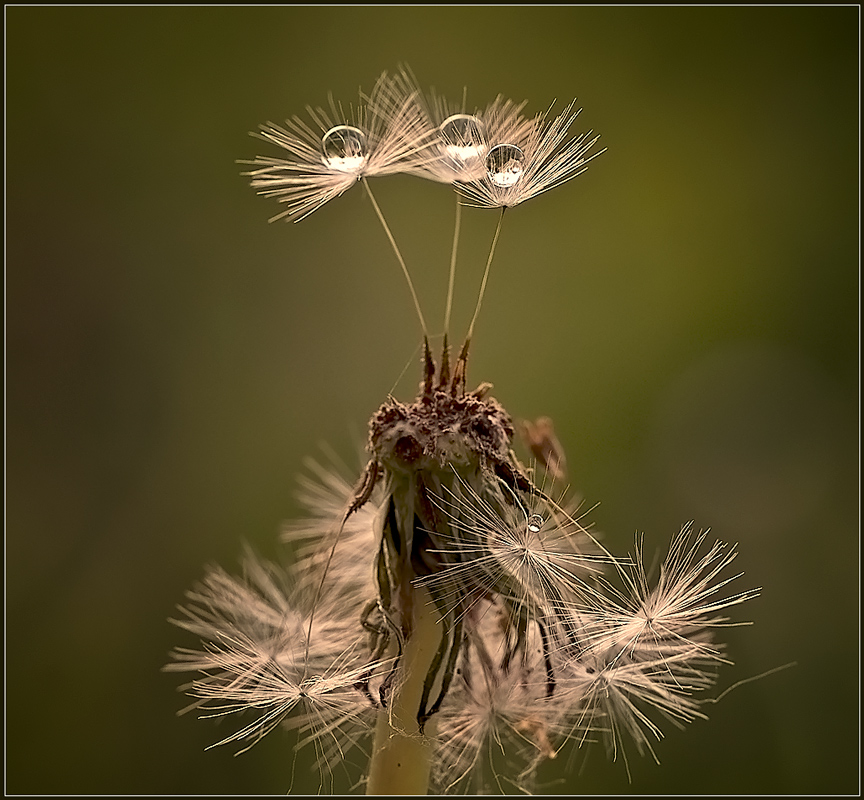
(498, 547)
(680, 607)
(456, 154)
(255, 658)
(625, 654)
(616, 697)
(461, 138)
(337, 150)
(524, 160)
(535, 162)
(321, 536)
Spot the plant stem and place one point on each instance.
(401, 753)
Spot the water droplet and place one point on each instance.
(535, 522)
(505, 164)
(344, 148)
(463, 139)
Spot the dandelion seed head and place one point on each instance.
(678, 611)
(532, 634)
(502, 543)
(538, 159)
(335, 149)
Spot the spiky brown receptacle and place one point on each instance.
(439, 429)
(442, 431)
(445, 428)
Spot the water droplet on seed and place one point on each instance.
(463, 139)
(535, 522)
(344, 148)
(505, 164)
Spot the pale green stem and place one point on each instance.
(401, 754)
(398, 256)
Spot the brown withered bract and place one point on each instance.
(539, 437)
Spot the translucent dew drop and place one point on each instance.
(505, 164)
(463, 139)
(535, 522)
(344, 148)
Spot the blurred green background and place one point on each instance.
(686, 311)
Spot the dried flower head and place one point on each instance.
(445, 603)
(647, 647)
(264, 655)
(336, 150)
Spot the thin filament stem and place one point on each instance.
(485, 276)
(318, 597)
(452, 267)
(398, 256)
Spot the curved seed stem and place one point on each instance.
(452, 267)
(485, 276)
(398, 256)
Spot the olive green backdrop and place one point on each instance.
(686, 311)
